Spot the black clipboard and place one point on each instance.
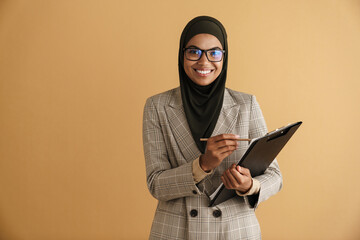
(257, 158)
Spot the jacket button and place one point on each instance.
(217, 213)
(194, 192)
(193, 213)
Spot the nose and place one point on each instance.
(203, 59)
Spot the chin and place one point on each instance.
(202, 82)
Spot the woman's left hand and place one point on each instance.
(237, 178)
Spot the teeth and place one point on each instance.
(203, 72)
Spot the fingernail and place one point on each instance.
(237, 136)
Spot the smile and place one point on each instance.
(203, 72)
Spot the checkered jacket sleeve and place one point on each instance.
(165, 181)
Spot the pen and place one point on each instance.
(238, 139)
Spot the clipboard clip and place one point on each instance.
(281, 128)
(279, 132)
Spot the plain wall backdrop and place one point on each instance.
(74, 77)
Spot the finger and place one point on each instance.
(243, 171)
(225, 136)
(214, 146)
(228, 182)
(237, 176)
(231, 179)
(226, 149)
(225, 154)
(225, 182)
(225, 143)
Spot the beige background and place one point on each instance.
(74, 76)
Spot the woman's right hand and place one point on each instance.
(217, 149)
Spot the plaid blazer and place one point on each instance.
(182, 211)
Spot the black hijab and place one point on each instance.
(202, 104)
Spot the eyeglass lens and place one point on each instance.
(213, 55)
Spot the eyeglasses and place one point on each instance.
(213, 55)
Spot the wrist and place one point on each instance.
(248, 190)
(254, 189)
(203, 167)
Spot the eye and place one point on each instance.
(215, 53)
(194, 51)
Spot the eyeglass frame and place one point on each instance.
(204, 51)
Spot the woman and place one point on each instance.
(183, 171)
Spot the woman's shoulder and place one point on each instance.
(164, 98)
(240, 97)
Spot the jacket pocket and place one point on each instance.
(175, 206)
(236, 207)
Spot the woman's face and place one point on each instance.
(203, 72)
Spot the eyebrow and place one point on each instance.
(214, 48)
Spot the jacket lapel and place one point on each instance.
(228, 115)
(180, 127)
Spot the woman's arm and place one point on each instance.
(164, 181)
